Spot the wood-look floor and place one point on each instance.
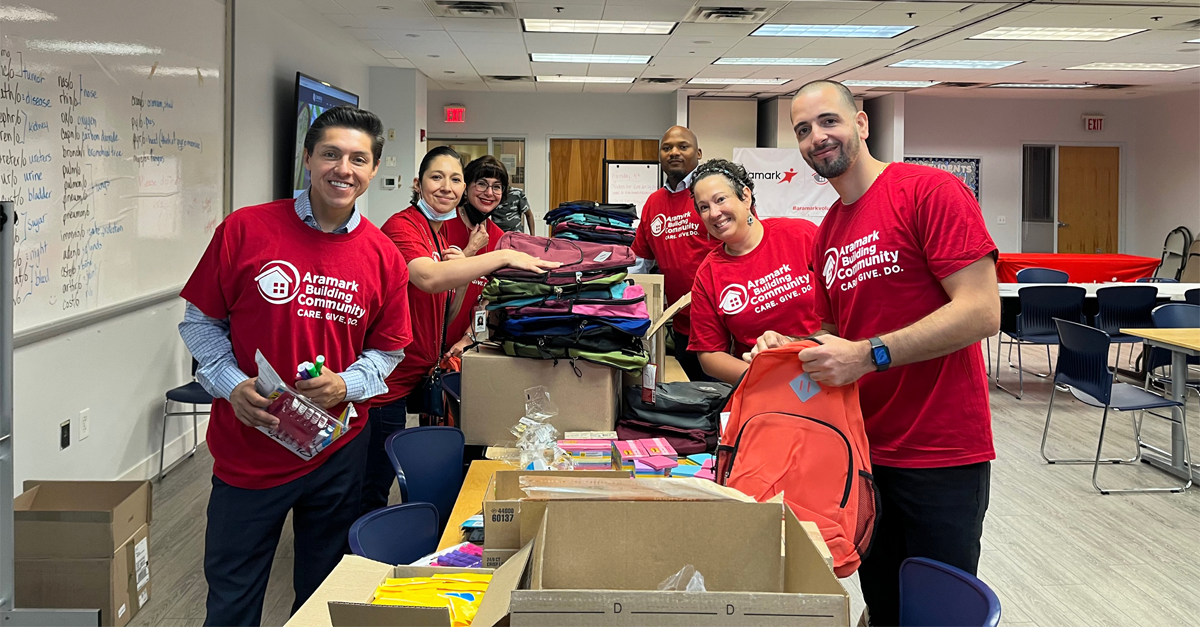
(1054, 550)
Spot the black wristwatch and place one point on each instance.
(880, 355)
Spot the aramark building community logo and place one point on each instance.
(278, 282)
(860, 260)
(318, 296)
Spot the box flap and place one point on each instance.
(343, 614)
(670, 312)
(805, 568)
(495, 604)
(354, 579)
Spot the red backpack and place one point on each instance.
(581, 261)
(787, 433)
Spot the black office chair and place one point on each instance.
(1125, 307)
(1083, 368)
(1040, 305)
(1042, 275)
(1171, 316)
(189, 394)
(1192, 296)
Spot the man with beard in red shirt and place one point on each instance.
(906, 284)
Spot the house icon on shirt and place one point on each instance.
(275, 284)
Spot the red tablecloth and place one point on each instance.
(1081, 268)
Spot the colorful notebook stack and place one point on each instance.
(589, 454)
(650, 456)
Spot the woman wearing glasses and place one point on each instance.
(434, 236)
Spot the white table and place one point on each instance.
(1174, 291)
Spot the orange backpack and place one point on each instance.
(787, 433)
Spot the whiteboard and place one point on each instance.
(630, 182)
(111, 146)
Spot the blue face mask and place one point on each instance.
(433, 215)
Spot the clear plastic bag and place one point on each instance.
(304, 428)
(537, 439)
(585, 488)
(688, 579)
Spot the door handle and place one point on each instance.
(1063, 225)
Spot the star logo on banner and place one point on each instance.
(788, 176)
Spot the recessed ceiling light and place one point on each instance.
(738, 81)
(384, 7)
(26, 14)
(434, 56)
(829, 30)
(955, 64)
(773, 61)
(448, 71)
(702, 42)
(1058, 34)
(411, 35)
(1042, 85)
(548, 57)
(914, 84)
(584, 79)
(1144, 67)
(91, 47)
(606, 27)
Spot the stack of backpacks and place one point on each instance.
(585, 309)
(587, 221)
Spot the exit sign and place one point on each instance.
(1093, 123)
(455, 114)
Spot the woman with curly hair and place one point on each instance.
(758, 279)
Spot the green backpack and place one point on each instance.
(630, 360)
(503, 290)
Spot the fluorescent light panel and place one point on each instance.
(738, 81)
(1041, 85)
(1057, 34)
(954, 64)
(605, 27)
(551, 57)
(830, 30)
(1143, 67)
(584, 79)
(914, 84)
(773, 61)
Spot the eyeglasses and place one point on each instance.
(482, 186)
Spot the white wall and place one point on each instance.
(886, 116)
(722, 124)
(400, 101)
(1167, 169)
(540, 116)
(995, 131)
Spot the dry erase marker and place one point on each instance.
(303, 371)
(320, 364)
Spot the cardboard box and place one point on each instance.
(83, 544)
(495, 558)
(502, 506)
(493, 394)
(600, 563)
(344, 598)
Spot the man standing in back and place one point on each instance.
(671, 233)
(906, 283)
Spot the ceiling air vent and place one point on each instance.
(960, 85)
(509, 79)
(1113, 86)
(663, 80)
(729, 15)
(472, 8)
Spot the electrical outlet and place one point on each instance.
(391, 134)
(64, 435)
(84, 428)
(1001, 219)
(389, 162)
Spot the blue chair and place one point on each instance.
(1125, 307)
(933, 594)
(1171, 316)
(1040, 306)
(397, 534)
(188, 394)
(1192, 296)
(1156, 279)
(429, 465)
(1083, 369)
(1042, 275)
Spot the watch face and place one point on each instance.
(881, 355)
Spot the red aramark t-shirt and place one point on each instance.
(457, 234)
(769, 289)
(410, 232)
(671, 233)
(294, 292)
(881, 261)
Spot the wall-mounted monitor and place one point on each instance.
(313, 97)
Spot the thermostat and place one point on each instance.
(389, 182)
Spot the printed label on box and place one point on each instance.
(141, 561)
(143, 598)
(121, 612)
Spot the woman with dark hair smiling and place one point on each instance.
(758, 280)
(436, 268)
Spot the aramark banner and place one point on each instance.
(784, 185)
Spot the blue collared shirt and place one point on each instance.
(218, 373)
(684, 184)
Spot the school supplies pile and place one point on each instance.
(587, 221)
(304, 428)
(460, 593)
(584, 309)
(589, 454)
(647, 457)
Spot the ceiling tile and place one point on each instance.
(535, 11)
(415, 40)
(706, 31)
(646, 12)
(476, 38)
(400, 8)
(610, 69)
(344, 19)
(800, 13)
(630, 44)
(572, 43)
(677, 66)
(325, 6)
(612, 88)
(404, 63)
(749, 48)
(402, 23)
(502, 69)
(463, 24)
(561, 87)
(362, 34)
(512, 86)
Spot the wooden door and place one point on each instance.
(576, 170)
(631, 149)
(1088, 199)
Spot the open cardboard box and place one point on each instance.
(344, 598)
(502, 505)
(600, 563)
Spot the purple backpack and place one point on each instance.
(581, 261)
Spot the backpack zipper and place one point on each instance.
(849, 451)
